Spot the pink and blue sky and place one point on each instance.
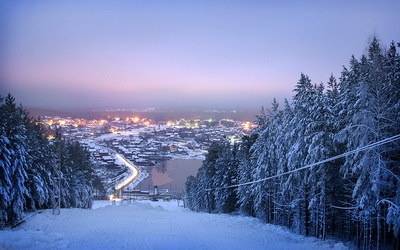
(222, 54)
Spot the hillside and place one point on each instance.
(151, 225)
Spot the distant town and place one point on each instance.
(143, 141)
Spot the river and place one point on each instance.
(170, 175)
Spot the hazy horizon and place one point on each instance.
(227, 55)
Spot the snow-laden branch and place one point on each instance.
(370, 146)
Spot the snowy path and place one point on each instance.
(151, 225)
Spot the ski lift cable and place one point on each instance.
(369, 146)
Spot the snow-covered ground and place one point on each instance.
(151, 225)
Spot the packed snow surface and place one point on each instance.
(151, 225)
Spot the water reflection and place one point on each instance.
(170, 175)
(162, 167)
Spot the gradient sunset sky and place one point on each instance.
(222, 54)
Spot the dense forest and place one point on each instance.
(355, 196)
(33, 171)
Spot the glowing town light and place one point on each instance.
(136, 119)
(246, 125)
(114, 197)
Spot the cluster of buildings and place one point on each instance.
(145, 142)
(201, 131)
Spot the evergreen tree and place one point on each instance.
(27, 167)
(263, 157)
(298, 181)
(5, 163)
(391, 201)
(244, 194)
(40, 182)
(225, 176)
(356, 197)
(14, 159)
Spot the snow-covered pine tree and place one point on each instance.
(283, 138)
(27, 166)
(81, 183)
(332, 181)
(366, 100)
(40, 182)
(207, 179)
(199, 191)
(259, 159)
(347, 96)
(357, 197)
(297, 182)
(189, 193)
(245, 199)
(265, 161)
(202, 197)
(76, 174)
(14, 160)
(323, 179)
(5, 162)
(225, 175)
(391, 200)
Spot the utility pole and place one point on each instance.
(57, 178)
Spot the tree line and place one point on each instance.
(30, 166)
(355, 198)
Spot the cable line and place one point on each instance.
(369, 146)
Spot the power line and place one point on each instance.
(369, 146)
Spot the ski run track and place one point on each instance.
(151, 225)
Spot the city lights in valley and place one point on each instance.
(248, 125)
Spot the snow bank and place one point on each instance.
(31, 240)
(151, 225)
